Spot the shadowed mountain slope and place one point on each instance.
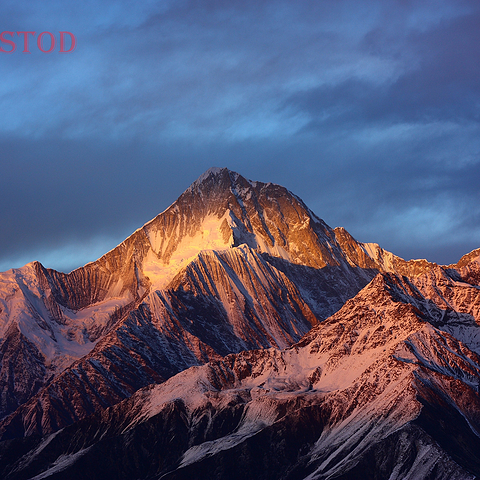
(108, 358)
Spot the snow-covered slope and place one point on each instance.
(231, 267)
(48, 319)
(222, 303)
(41, 337)
(371, 255)
(358, 397)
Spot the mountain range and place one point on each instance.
(236, 335)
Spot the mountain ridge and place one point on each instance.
(55, 311)
(231, 267)
(373, 372)
(266, 217)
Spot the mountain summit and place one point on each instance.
(242, 278)
(244, 254)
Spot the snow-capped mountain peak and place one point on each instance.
(314, 355)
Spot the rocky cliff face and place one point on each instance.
(40, 336)
(220, 303)
(152, 352)
(360, 396)
(265, 282)
(371, 255)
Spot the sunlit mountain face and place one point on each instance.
(236, 335)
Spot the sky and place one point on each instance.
(369, 111)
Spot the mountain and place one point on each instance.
(375, 391)
(321, 355)
(192, 258)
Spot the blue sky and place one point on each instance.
(369, 111)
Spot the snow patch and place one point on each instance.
(208, 237)
(61, 341)
(61, 463)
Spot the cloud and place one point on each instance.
(367, 110)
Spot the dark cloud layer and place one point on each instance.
(367, 110)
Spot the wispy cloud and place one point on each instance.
(368, 110)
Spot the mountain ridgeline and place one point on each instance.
(237, 324)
